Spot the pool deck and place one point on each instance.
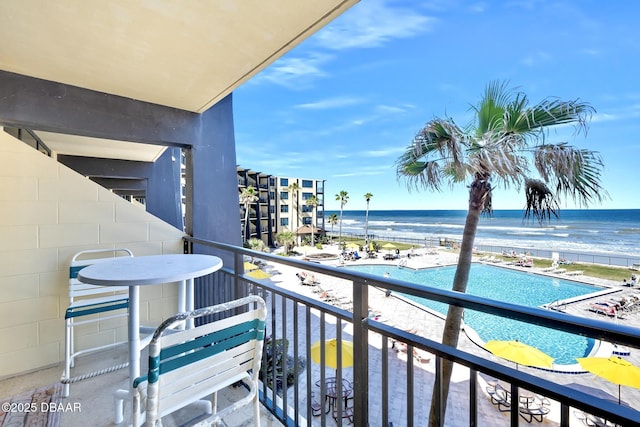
(430, 326)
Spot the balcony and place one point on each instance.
(388, 386)
(391, 387)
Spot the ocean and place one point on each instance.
(599, 232)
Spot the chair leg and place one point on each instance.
(256, 411)
(68, 360)
(120, 397)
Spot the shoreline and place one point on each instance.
(624, 260)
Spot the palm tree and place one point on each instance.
(507, 138)
(367, 197)
(343, 197)
(313, 202)
(333, 220)
(248, 195)
(294, 188)
(286, 239)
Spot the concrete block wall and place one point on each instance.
(49, 212)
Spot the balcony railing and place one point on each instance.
(302, 320)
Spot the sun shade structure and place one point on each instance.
(331, 353)
(389, 246)
(614, 369)
(308, 229)
(520, 353)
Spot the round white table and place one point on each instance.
(149, 270)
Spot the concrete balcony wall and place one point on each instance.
(49, 213)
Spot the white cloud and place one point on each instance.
(479, 7)
(391, 109)
(295, 72)
(359, 173)
(624, 113)
(372, 23)
(337, 102)
(591, 51)
(535, 58)
(383, 153)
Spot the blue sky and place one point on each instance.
(345, 103)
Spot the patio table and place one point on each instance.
(149, 270)
(331, 391)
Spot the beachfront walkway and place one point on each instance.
(430, 326)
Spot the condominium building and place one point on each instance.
(281, 205)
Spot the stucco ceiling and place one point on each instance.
(85, 146)
(181, 54)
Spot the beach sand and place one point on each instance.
(396, 312)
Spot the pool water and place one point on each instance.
(503, 285)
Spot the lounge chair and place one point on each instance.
(574, 273)
(603, 308)
(630, 305)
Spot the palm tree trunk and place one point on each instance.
(340, 229)
(451, 332)
(246, 222)
(313, 222)
(366, 226)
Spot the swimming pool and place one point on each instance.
(503, 285)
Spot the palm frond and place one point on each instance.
(490, 109)
(541, 203)
(554, 112)
(500, 154)
(575, 172)
(437, 150)
(421, 174)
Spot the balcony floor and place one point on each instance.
(95, 396)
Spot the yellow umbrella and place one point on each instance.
(614, 369)
(389, 246)
(520, 353)
(258, 274)
(331, 353)
(352, 245)
(248, 266)
(371, 248)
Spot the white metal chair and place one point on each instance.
(185, 366)
(91, 304)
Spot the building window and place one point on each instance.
(307, 208)
(306, 196)
(306, 220)
(272, 182)
(284, 221)
(284, 182)
(284, 195)
(284, 208)
(272, 195)
(272, 209)
(306, 183)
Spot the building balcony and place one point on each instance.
(397, 359)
